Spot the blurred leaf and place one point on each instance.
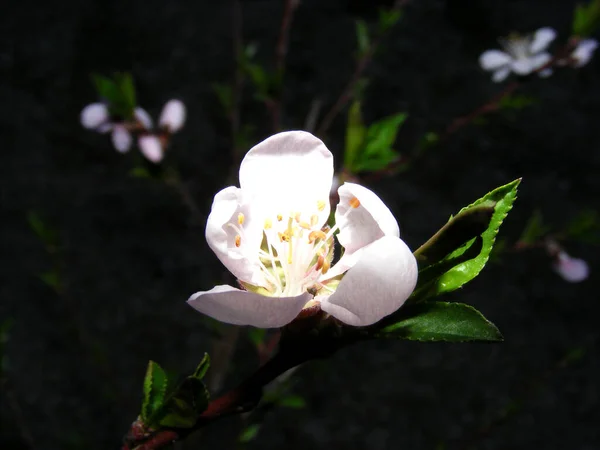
(437, 274)
(362, 37)
(249, 433)
(119, 93)
(127, 90)
(585, 227)
(139, 172)
(5, 327)
(257, 335)
(355, 135)
(259, 77)
(202, 367)
(388, 18)
(292, 401)
(44, 233)
(224, 93)
(51, 279)
(155, 387)
(586, 18)
(428, 140)
(534, 229)
(516, 102)
(377, 153)
(439, 321)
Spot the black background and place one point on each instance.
(133, 255)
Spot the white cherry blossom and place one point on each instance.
(573, 270)
(272, 234)
(583, 52)
(172, 116)
(522, 55)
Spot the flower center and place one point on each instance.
(518, 46)
(296, 250)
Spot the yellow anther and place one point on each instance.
(283, 237)
(268, 224)
(314, 235)
(279, 217)
(297, 217)
(304, 225)
(314, 219)
(320, 261)
(238, 240)
(241, 218)
(326, 266)
(314, 289)
(321, 205)
(354, 202)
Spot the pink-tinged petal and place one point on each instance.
(500, 74)
(378, 284)
(173, 115)
(542, 39)
(142, 116)
(570, 269)
(121, 138)
(584, 52)
(151, 148)
(94, 115)
(494, 59)
(289, 171)
(223, 227)
(231, 305)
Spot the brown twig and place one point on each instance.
(349, 91)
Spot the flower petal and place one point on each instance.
(494, 59)
(121, 138)
(173, 115)
(380, 282)
(584, 51)
(542, 39)
(500, 74)
(231, 305)
(151, 148)
(289, 171)
(571, 269)
(142, 116)
(94, 115)
(523, 66)
(221, 232)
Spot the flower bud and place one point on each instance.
(151, 148)
(173, 115)
(570, 269)
(94, 115)
(121, 138)
(142, 116)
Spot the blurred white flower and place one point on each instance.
(121, 138)
(571, 269)
(271, 233)
(94, 115)
(142, 116)
(173, 116)
(583, 52)
(151, 147)
(522, 55)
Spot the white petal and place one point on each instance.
(570, 269)
(584, 51)
(493, 59)
(380, 282)
(94, 115)
(542, 39)
(500, 74)
(142, 116)
(173, 116)
(540, 60)
(105, 128)
(545, 73)
(151, 148)
(121, 138)
(238, 307)
(241, 261)
(289, 171)
(523, 66)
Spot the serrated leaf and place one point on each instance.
(437, 274)
(355, 135)
(586, 18)
(377, 153)
(362, 37)
(155, 387)
(439, 321)
(249, 433)
(185, 405)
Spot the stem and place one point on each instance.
(350, 89)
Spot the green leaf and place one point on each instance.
(127, 90)
(362, 37)
(45, 234)
(119, 93)
(534, 229)
(355, 135)
(224, 93)
(516, 102)
(476, 226)
(586, 18)
(257, 335)
(155, 387)
(439, 321)
(51, 279)
(585, 227)
(292, 401)
(140, 172)
(378, 153)
(202, 367)
(388, 18)
(249, 433)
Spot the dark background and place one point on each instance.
(133, 254)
